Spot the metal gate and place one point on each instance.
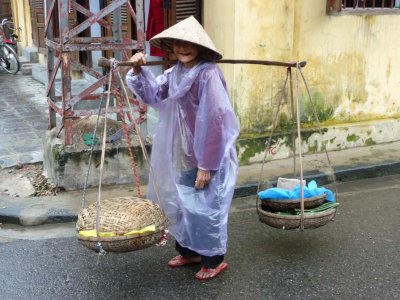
(63, 41)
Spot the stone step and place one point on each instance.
(23, 60)
(26, 68)
(30, 54)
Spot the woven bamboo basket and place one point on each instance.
(288, 222)
(120, 216)
(287, 205)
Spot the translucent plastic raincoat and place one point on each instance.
(197, 128)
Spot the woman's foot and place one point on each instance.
(179, 261)
(206, 274)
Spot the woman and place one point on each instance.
(193, 158)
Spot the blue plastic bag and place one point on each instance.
(311, 190)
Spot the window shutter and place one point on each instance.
(128, 26)
(37, 21)
(126, 23)
(178, 10)
(187, 8)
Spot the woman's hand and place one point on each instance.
(202, 179)
(138, 60)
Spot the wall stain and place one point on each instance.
(369, 142)
(352, 138)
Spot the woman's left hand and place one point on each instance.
(202, 179)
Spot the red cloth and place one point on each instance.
(155, 24)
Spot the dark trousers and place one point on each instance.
(209, 262)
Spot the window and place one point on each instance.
(178, 10)
(363, 7)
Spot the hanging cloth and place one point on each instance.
(155, 24)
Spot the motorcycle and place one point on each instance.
(8, 48)
(8, 34)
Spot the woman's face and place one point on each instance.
(187, 53)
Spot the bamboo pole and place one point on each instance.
(104, 62)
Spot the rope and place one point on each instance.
(144, 151)
(103, 150)
(266, 152)
(114, 65)
(91, 150)
(300, 150)
(128, 141)
(293, 121)
(320, 131)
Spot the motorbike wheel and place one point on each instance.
(9, 59)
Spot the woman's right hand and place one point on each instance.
(138, 60)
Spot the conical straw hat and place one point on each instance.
(189, 30)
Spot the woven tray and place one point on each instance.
(287, 205)
(288, 222)
(122, 215)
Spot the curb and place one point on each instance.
(27, 217)
(342, 175)
(357, 173)
(13, 214)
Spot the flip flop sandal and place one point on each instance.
(211, 273)
(179, 261)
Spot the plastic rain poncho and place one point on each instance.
(197, 128)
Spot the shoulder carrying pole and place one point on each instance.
(104, 62)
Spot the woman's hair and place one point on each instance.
(206, 54)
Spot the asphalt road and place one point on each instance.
(354, 257)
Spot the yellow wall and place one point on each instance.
(353, 60)
(21, 15)
(221, 30)
(353, 65)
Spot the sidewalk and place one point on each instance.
(23, 121)
(351, 164)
